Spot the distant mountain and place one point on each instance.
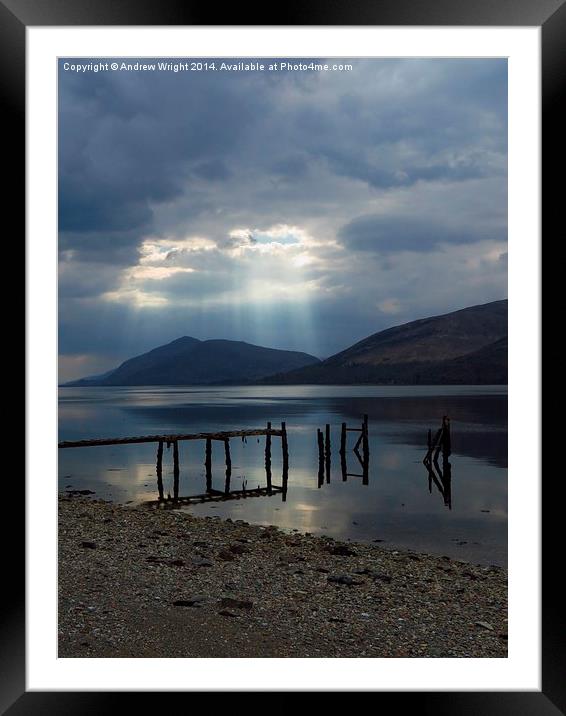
(463, 347)
(188, 361)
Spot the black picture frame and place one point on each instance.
(550, 15)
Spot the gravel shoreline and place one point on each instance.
(136, 582)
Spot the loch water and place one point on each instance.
(401, 506)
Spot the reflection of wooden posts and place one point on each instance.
(327, 452)
(440, 442)
(268, 457)
(284, 482)
(175, 470)
(268, 448)
(228, 465)
(434, 443)
(168, 439)
(227, 456)
(285, 448)
(447, 482)
(365, 443)
(446, 467)
(208, 464)
(320, 441)
(343, 464)
(159, 469)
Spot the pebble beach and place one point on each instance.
(141, 582)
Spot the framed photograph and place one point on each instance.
(283, 353)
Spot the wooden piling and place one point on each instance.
(175, 470)
(439, 445)
(365, 436)
(327, 452)
(320, 441)
(284, 483)
(365, 443)
(228, 465)
(343, 463)
(227, 455)
(268, 457)
(447, 482)
(159, 469)
(433, 444)
(268, 447)
(285, 447)
(365, 471)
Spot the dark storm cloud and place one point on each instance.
(389, 234)
(114, 247)
(128, 142)
(395, 157)
(215, 170)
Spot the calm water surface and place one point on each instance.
(399, 505)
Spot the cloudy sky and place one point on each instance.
(299, 210)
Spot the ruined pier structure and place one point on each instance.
(325, 452)
(222, 437)
(440, 476)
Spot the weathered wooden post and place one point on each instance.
(285, 448)
(327, 452)
(365, 464)
(268, 457)
(175, 470)
(268, 447)
(365, 437)
(447, 482)
(446, 466)
(285, 482)
(227, 455)
(208, 464)
(432, 446)
(343, 465)
(320, 441)
(159, 469)
(228, 465)
(438, 446)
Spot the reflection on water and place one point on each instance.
(332, 486)
(211, 494)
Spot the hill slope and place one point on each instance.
(188, 361)
(466, 346)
